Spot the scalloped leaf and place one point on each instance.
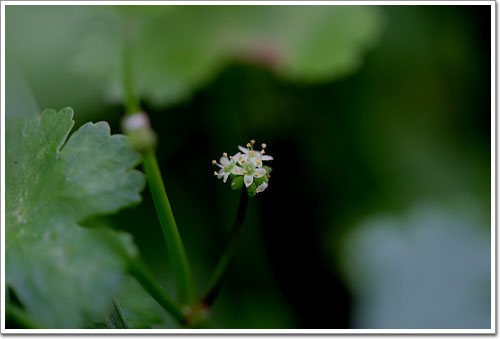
(64, 273)
(176, 49)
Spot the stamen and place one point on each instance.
(259, 162)
(264, 145)
(230, 157)
(245, 172)
(249, 145)
(216, 174)
(262, 152)
(214, 162)
(243, 161)
(224, 154)
(252, 142)
(251, 152)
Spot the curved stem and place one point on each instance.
(221, 268)
(175, 247)
(142, 275)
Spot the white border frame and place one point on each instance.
(492, 330)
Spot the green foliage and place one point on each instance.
(61, 272)
(140, 309)
(429, 268)
(116, 318)
(175, 50)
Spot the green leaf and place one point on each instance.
(64, 273)
(140, 309)
(177, 49)
(19, 98)
(116, 318)
(429, 268)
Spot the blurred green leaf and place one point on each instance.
(139, 308)
(177, 49)
(40, 43)
(19, 99)
(428, 269)
(64, 273)
(115, 317)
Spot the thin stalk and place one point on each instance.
(139, 271)
(173, 241)
(145, 279)
(221, 269)
(175, 247)
(131, 101)
(116, 319)
(20, 317)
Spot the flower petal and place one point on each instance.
(243, 149)
(237, 170)
(259, 172)
(226, 175)
(255, 161)
(248, 179)
(262, 187)
(267, 157)
(221, 173)
(237, 156)
(225, 161)
(243, 159)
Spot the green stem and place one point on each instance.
(138, 270)
(20, 317)
(175, 248)
(142, 275)
(221, 268)
(131, 101)
(116, 319)
(173, 241)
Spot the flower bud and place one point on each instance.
(252, 190)
(139, 131)
(237, 183)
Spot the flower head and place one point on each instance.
(245, 167)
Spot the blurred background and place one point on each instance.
(378, 210)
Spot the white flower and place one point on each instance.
(262, 187)
(250, 172)
(227, 166)
(246, 164)
(249, 154)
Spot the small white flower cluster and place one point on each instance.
(248, 163)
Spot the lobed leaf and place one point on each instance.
(64, 273)
(176, 49)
